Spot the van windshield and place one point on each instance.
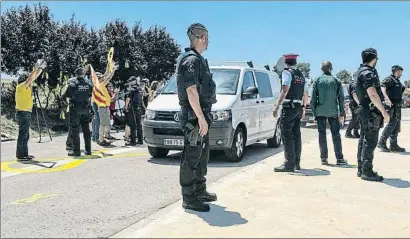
(226, 81)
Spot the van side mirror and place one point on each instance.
(250, 91)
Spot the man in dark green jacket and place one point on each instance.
(327, 103)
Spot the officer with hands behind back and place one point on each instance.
(196, 93)
(79, 92)
(294, 97)
(393, 90)
(371, 112)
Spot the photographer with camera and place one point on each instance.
(24, 105)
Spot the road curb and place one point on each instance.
(125, 233)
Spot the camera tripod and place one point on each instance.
(37, 99)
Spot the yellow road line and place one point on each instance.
(32, 199)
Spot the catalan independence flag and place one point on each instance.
(100, 92)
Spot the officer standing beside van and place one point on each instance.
(393, 90)
(294, 97)
(133, 107)
(196, 93)
(79, 93)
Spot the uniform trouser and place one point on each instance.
(134, 122)
(194, 161)
(354, 122)
(369, 135)
(292, 141)
(334, 129)
(96, 122)
(392, 129)
(80, 120)
(23, 120)
(69, 141)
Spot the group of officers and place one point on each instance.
(371, 104)
(79, 93)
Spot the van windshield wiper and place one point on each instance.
(169, 93)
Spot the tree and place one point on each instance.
(25, 37)
(304, 68)
(344, 76)
(160, 52)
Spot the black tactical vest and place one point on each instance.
(297, 85)
(395, 92)
(81, 94)
(206, 87)
(352, 86)
(361, 92)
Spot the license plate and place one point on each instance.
(174, 142)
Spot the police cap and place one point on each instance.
(291, 56)
(396, 68)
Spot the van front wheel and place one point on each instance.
(158, 152)
(235, 153)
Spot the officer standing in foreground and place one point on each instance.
(328, 106)
(294, 97)
(79, 93)
(393, 90)
(353, 105)
(133, 108)
(196, 93)
(371, 111)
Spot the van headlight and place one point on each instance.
(150, 114)
(221, 115)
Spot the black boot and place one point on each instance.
(205, 196)
(382, 146)
(284, 169)
(359, 169)
(140, 142)
(341, 162)
(75, 154)
(356, 134)
(324, 161)
(396, 148)
(371, 176)
(297, 166)
(87, 152)
(130, 144)
(193, 203)
(349, 135)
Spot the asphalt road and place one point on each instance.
(100, 196)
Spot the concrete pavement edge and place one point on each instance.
(235, 176)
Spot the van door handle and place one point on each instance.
(257, 102)
(262, 101)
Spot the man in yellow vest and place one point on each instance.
(24, 105)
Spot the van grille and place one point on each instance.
(165, 115)
(167, 131)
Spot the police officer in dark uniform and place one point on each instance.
(393, 90)
(353, 105)
(79, 93)
(371, 112)
(69, 141)
(196, 93)
(294, 97)
(133, 107)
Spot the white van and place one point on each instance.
(242, 115)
